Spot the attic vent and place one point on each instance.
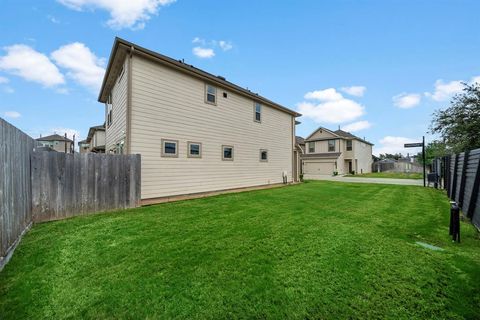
(221, 78)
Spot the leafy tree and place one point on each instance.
(395, 156)
(434, 149)
(459, 124)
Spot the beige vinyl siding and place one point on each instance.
(167, 104)
(322, 135)
(363, 154)
(322, 146)
(117, 130)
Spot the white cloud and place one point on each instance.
(4, 80)
(61, 131)
(324, 95)
(357, 91)
(81, 64)
(332, 108)
(406, 100)
(12, 114)
(394, 145)
(53, 19)
(357, 126)
(199, 40)
(131, 14)
(225, 45)
(203, 53)
(206, 48)
(475, 80)
(445, 90)
(31, 65)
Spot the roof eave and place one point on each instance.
(200, 73)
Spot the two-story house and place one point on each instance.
(338, 151)
(195, 132)
(57, 142)
(95, 141)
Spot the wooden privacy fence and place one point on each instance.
(15, 186)
(41, 185)
(461, 178)
(66, 185)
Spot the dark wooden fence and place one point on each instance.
(15, 186)
(66, 185)
(461, 178)
(41, 185)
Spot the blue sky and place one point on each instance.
(376, 68)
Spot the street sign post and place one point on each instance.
(416, 145)
(413, 145)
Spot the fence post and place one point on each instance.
(455, 176)
(463, 179)
(473, 199)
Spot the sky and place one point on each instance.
(378, 69)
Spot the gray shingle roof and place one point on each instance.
(299, 140)
(54, 137)
(345, 134)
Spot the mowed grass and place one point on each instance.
(321, 249)
(391, 175)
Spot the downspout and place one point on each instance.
(129, 101)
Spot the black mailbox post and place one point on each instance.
(455, 221)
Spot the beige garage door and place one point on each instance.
(319, 167)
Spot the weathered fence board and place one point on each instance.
(15, 185)
(66, 185)
(461, 177)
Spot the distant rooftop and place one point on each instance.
(299, 140)
(54, 137)
(346, 134)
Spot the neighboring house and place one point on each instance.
(300, 142)
(83, 146)
(329, 151)
(57, 142)
(95, 141)
(405, 165)
(299, 151)
(196, 132)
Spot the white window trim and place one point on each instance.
(169, 155)
(223, 153)
(109, 105)
(260, 155)
(308, 147)
(189, 155)
(206, 94)
(334, 145)
(351, 145)
(255, 112)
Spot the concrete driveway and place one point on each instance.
(407, 182)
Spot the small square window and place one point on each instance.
(258, 112)
(169, 148)
(227, 153)
(263, 155)
(194, 150)
(331, 145)
(225, 95)
(210, 94)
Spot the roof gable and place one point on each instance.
(321, 133)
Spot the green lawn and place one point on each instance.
(392, 175)
(321, 249)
